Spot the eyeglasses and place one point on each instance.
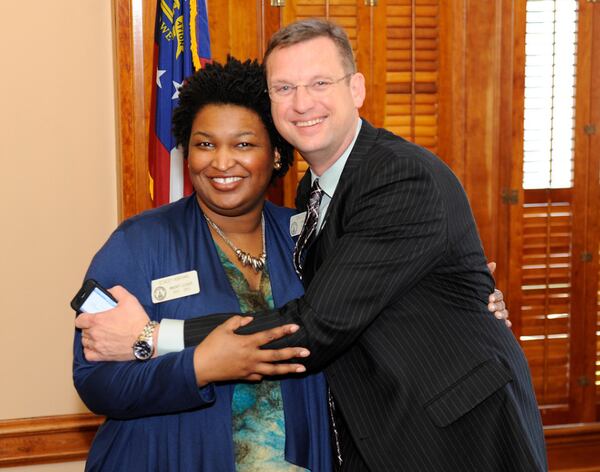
(319, 88)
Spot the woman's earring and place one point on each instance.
(277, 163)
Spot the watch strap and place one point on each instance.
(148, 330)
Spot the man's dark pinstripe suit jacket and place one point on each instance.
(395, 313)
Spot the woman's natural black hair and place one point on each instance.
(233, 83)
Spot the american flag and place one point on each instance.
(182, 45)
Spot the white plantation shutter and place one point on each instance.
(411, 100)
(550, 48)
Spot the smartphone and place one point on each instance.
(92, 298)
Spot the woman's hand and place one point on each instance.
(224, 355)
(496, 301)
(109, 335)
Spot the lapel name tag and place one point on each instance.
(296, 223)
(175, 286)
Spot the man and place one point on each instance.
(396, 283)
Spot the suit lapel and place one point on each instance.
(360, 152)
(366, 138)
(314, 255)
(365, 141)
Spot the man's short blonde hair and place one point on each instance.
(305, 30)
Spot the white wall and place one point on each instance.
(58, 197)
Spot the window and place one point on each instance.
(550, 55)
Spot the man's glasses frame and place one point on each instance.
(319, 88)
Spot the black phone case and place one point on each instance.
(88, 287)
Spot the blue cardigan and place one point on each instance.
(158, 419)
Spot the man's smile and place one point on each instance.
(304, 124)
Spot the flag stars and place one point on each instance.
(159, 74)
(176, 94)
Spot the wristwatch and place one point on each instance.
(143, 347)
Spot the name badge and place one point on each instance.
(175, 286)
(296, 223)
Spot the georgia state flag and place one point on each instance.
(181, 46)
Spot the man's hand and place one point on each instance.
(496, 301)
(109, 335)
(224, 355)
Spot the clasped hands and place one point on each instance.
(223, 355)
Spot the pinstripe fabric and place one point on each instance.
(395, 312)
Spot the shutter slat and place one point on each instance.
(412, 64)
(550, 47)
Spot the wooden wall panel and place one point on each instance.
(218, 28)
(512, 54)
(452, 133)
(586, 363)
(511, 157)
(372, 19)
(482, 102)
(594, 170)
(133, 54)
(582, 392)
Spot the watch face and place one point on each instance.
(142, 350)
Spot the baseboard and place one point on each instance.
(574, 447)
(46, 439)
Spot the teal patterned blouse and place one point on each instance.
(257, 408)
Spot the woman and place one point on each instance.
(240, 247)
